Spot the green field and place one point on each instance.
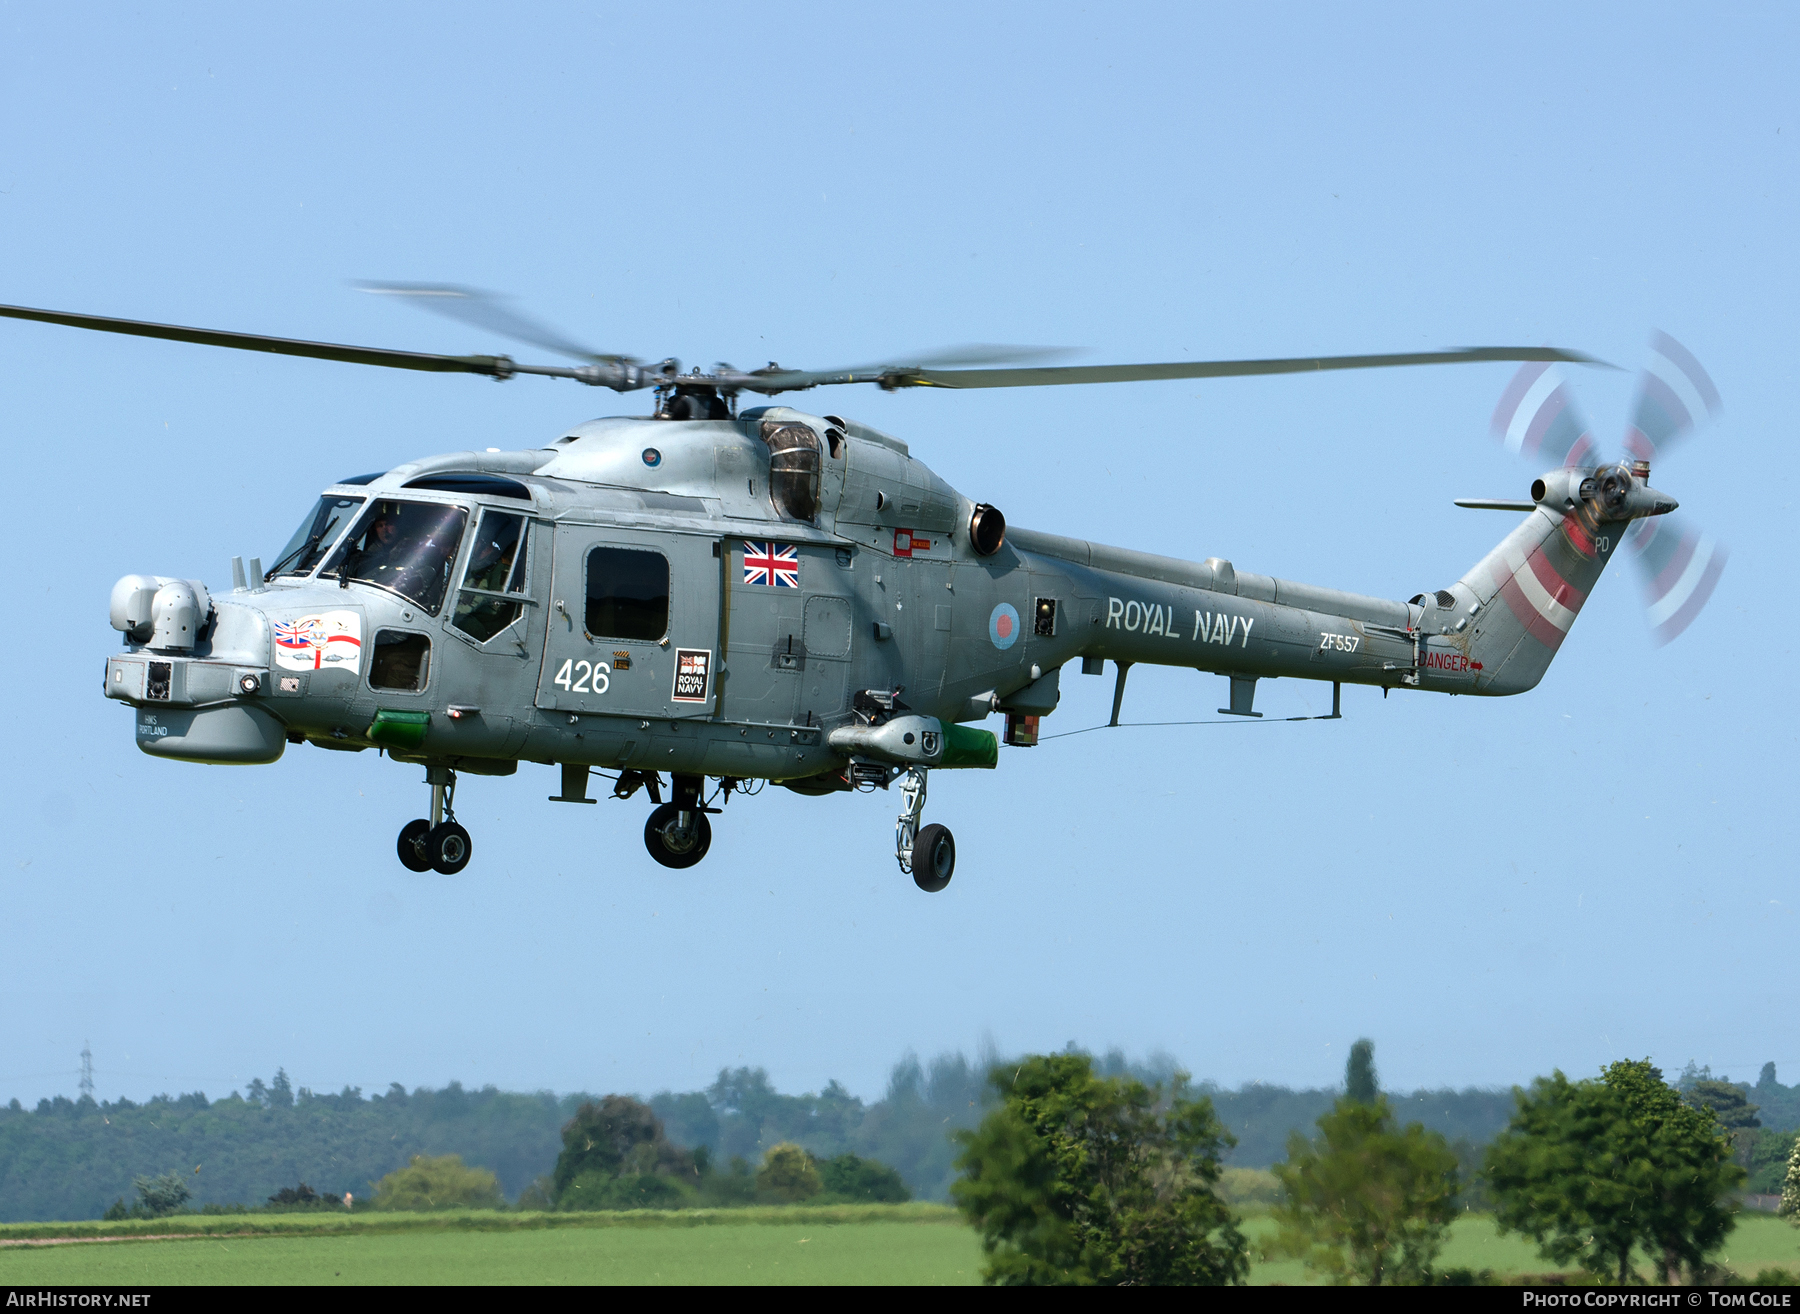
(789, 1254)
(1759, 1241)
(912, 1245)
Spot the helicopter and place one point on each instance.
(768, 595)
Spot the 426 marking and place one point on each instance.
(584, 677)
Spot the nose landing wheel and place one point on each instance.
(440, 844)
(448, 848)
(412, 845)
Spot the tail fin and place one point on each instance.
(1530, 589)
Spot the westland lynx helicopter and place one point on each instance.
(767, 594)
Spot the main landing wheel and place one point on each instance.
(933, 858)
(448, 848)
(412, 845)
(672, 845)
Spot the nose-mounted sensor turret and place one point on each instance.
(161, 613)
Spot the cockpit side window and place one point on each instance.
(494, 577)
(401, 661)
(793, 469)
(407, 547)
(314, 537)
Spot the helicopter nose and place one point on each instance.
(197, 699)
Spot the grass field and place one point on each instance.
(787, 1254)
(900, 1245)
(1759, 1241)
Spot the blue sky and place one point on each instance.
(1599, 869)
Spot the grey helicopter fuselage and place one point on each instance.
(775, 596)
(790, 597)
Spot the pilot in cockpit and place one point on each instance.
(406, 547)
(492, 561)
(382, 556)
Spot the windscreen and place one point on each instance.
(314, 537)
(407, 547)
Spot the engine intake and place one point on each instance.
(987, 529)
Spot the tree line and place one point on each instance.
(615, 1155)
(1077, 1178)
(70, 1159)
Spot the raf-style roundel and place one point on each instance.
(1003, 625)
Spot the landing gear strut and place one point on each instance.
(440, 844)
(678, 833)
(928, 853)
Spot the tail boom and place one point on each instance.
(1493, 633)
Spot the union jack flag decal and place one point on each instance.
(776, 565)
(296, 634)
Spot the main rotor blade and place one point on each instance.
(486, 310)
(1215, 369)
(972, 353)
(772, 379)
(495, 366)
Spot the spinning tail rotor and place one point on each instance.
(1674, 397)
(1678, 564)
(1678, 567)
(1537, 418)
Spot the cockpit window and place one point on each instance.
(494, 578)
(407, 547)
(314, 537)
